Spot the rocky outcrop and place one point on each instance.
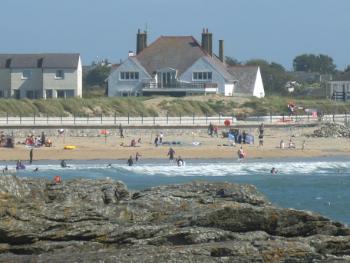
(101, 221)
(334, 130)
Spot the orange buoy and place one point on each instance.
(57, 179)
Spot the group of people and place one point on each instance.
(37, 141)
(158, 139)
(213, 130)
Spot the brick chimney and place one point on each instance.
(141, 41)
(207, 41)
(221, 51)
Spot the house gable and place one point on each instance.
(118, 86)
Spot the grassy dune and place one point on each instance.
(161, 106)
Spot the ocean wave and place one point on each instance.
(200, 168)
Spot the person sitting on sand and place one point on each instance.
(130, 161)
(133, 143)
(291, 144)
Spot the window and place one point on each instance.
(129, 75)
(65, 93)
(202, 76)
(49, 93)
(26, 74)
(32, 94)
(59, 74)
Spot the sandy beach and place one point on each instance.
(90, 148)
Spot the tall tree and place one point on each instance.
(314, 63)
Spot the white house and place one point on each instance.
(179, 66)
(40, 76)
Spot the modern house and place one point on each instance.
(180, 66)
(35, 76)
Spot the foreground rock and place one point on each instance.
(101, 221)
(333, 130)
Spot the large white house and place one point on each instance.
(40, 76)
(179, 66)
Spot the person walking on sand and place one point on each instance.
(121, 131)
(303, 145)
(171, 154)
(241, 154)
(31, 156)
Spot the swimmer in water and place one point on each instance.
(36, 169)
(273, 170)
(109, 165)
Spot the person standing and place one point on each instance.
(171, 154)
(31, 156)
(121, 131)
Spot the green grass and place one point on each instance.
(136, 106)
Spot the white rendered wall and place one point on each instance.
(259, 90)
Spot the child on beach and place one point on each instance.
(241, 154)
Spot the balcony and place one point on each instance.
(179, 88)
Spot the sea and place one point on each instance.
(321, 185)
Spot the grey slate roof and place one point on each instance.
(245, 77)
(39, 60)
(178, 52)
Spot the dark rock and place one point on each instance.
(101, 221)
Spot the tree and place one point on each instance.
(97, 75)
(232, 61)
(314, 63)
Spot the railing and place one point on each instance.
(181, 121)
(179, 85)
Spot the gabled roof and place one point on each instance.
(245, 77)
(39, 60)
(178, 52)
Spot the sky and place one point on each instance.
(274, 30)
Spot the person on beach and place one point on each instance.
(261, 128)
(261, 140)
(5, 169)
(180, 161)
(137, 156)
(161, 135)
(156, 140)
(31, 156)
(130, 161)
(36, 169)
(121, 131)
(273, 170)
(171, 154)
(241, 154)
(282, 144)
(303, 145)
(291, 144)
(20, 165)
(210, 129)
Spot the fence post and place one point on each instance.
(7, 118)
(167, 117)
(142, 118)
(61, 119)
(193, 118)
(47, 118)
(34, 118)
(206, 118)
(180, 118)
(128, 118)
(20, 119)
(115, 118)
(101, 118)
(270, 117)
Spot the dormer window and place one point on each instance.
(59, 74)
(202, 76)
(26, 74)
(129, 75)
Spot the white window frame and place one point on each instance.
(26, 74)
(202, 75)
(129, 75)
(59, 77)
